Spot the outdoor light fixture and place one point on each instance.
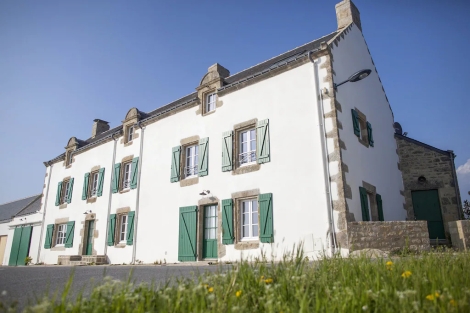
(355, 77)
(87, 212)
(205, 192)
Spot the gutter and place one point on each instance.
(456, 185)
(137, 202)
(110, 194)
(326, 171)
(44, 213)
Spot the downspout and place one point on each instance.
(44, 213)
(136, 217)
(456, 185)
(110, 194)
(326, 171)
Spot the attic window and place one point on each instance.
(68, 158)
(210, 102)
(130, 133)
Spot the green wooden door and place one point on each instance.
(89, 238)
(20, 245)
(15, 246)
(187, 249)
(209, 244)
(426, 207)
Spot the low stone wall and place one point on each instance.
(82, 259)
(460, 234)
(388, 236)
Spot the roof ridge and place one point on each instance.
(21, 199)
(281, 54)
(29, 204)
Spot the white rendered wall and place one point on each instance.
(375, 165)
(294, 176)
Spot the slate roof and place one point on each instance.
(33, 207)
(263, 66)
(10, 209)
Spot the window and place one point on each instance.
(362, 128)
(123, 228)
(191, 162)
(126, 176)
(210, 102)
(249, 219)
(68, 158)
(61, 233)
(65, 191)
(130, 133)
(93, 184)
(247, 147)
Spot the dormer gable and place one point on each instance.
(207, 89)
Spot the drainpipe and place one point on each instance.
(136, 217)
(326, 171)
(110, 195)
(456, 185)
(44, 213)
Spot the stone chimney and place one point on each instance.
(99, 126)
(347, 13)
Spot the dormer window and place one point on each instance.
(130, 133)
(210, 102)
(68, 158)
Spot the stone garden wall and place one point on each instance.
(460, 234)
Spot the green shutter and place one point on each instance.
(134, 172)
(262, 142)
(117, 173)
(203, 158)
(15, 246)
(69, 196)
(59, 191)
(380, 210)
(364, 204)
(227, 222)
(130, 228)
(369, 134)
(266, 233)
(49, 234)
(187, 250)
(111, 229)
(175, 164)
(355, 119)
(24, 245)
(227, 139)
(86, 179)
(100, 182)
(69, 234)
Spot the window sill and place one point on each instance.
(189, 181)
(63, 206)
(124, 190)
(244, 169)
(120, 245)
(128, 143)
(209, 113)
(247, 245)
(91, 200)
(58, 248)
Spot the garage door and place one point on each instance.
(3, 244)
(20, 245)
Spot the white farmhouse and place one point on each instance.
(251, 163)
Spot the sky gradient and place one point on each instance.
(65, 63)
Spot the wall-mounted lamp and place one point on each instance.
(355, 77)
(23, 219)
(421, 179)
(205, 192)
(87, 212)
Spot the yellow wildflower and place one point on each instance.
(406, 274)
(210, 289)
(436, 294)
(268, 281)
(238, 293)
(432, 297)
(452, 302)
(389, 263)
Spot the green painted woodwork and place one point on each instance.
(378, 199)
(175, 164)
(364, 204)
(111, 229)
(130, 228)
(86, 179)
(69, 234)
(426, 207)
(227, 222)
(203, 158)
(134, 172)
(117, 173)
(69, 195)
(57, 196)
(369, 134)
(49, 235)
(355, 120)
(227, 150)
(266, 215)
(187, 249)
(209, 243)
(89, 237)
(100, 182)
(262, 142)
(15, 246)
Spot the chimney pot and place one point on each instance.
(99, 126)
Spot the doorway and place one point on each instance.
(426, 207)
(20, 245)
(209, 243)
(90, 229)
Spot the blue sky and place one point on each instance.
(65, 63)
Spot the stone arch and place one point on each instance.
(132, 113)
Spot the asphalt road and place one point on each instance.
(27, 283)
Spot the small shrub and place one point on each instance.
(28, 260)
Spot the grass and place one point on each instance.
(431, 282)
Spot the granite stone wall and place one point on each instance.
(388, 236)
(435, 165)
(460, 234)
(82, 259)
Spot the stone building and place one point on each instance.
(431, 187)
